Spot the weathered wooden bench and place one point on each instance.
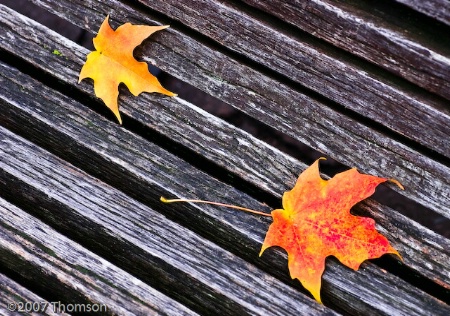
(366, 83)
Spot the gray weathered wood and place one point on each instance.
(406, 53)
(278, 171)
(426, 181)
(201, 65)
(437, 9)
(219, 142)
(60, 267)
(222, 226)
(157, 250)
(12, 293)
(40, 182)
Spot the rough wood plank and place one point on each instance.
(349, 87)
(149, 176)
(175, 259)
(344, 139)
(352, 86)
(274, 171)
(369, 37)
(437, 9)
(13, 296)
(66, 272)
(258, 164)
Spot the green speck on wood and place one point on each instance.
(56, 52)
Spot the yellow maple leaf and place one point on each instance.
(112, 63)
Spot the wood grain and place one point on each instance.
(59, 267)
(200, 62)
(148, 176)
(115, 209)
(437, 9)
(13, 293)
(418, 58)
(350, 142)
(158, 251)
(227, 147)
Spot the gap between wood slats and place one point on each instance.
(422, 28)
(431, 8)
(421, 214)
(387, 196)
(13, 190)
(332, 51)
(332, 105)
(394, 16)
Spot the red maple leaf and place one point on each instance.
(316, 223)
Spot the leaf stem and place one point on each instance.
(164, 200)
(397, 183)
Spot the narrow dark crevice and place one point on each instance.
(419, 27)
(303, 153)
(45, 286)
(415, 26)
(413, 210)
(379, 127)
(136, 127)
(52, 21)
(94, 237)
(395, 16)
(199, 162)
(124, 185)
(396, 267)
(286, 144)
(276, 23)
(181, 151)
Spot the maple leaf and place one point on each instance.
(112, 63)
(316, 223)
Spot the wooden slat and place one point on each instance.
(149, 176)
(350, 142)
(149, 245)
(70, 274)
(228, 152)
(354, 87)
(369, 37)
(436, 9)
(348, 86)
(258, 164)
(14, 296)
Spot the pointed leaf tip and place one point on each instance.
(113, 63)
(397, 183)
(316, 223)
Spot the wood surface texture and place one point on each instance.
(80, 216)
(437, 9)
(331, 130)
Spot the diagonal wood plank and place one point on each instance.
(437, 9)
(147, 174)
(405, 52)
(426, 180)
(344, 87)
(59, 267)
(223, 144)
(14, 296)
(157, 251)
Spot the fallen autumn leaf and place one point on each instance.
(112, 63)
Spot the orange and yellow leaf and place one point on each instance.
(315, 223)
(112, 63)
